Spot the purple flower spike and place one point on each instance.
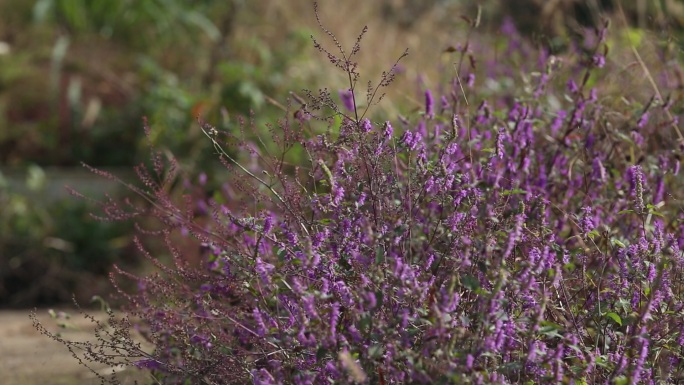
(338, 195)
(347, 98)
(407, 140)
(598, 171)
(637, 184)
(148, 363)
(588, 220)
(268, 224)
(366, 125)
(388, 130)
(445, 102)
(429, 105)
(470, 80)
(499, 143)
(263, 377)
(599, 61)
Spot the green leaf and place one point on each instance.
(344, 262)
(41, 9)
(199, 20)
(470, 282)
(378, 298)
(624, 304)
(375, 351)
(364, 323)
(617, 243)
(614, 317)
(379, 255)
(625, 212)
(550, 329)
(321, 353)
(35, 180)
(634, 36)
(602, 361)
(281, 254)
(513, 192)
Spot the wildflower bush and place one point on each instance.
(522, 228)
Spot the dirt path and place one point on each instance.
(29, 358)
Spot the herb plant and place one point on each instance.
(519, 229)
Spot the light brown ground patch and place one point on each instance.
(30, 358)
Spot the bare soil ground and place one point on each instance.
(29, 358)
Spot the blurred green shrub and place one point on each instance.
(81, 75)
(50, 249)
(76, 77)
(134, 23)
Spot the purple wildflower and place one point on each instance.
(361, 200)
(558, 121)
(429, 105)
(429, 184)
(372, 300)
(258, 319)
(637, 183)
(445, 103)
(388, 130)
(598, 61)
(456, 121)
(499, 143)
(263, 377)
(334, 318)
(407, 140)
(598, 171)
(264, 270)
(366, 125)
(338, 195)
(587, 220)
(470, 80)
(469, 361)
(148, 363)
(593, 95)
(347, 98)
(650, 276)
(639, 364)
(309, 305)
(268, 224)
(637, 138)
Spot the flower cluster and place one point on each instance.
(510, 243)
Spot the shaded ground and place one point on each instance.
(29, 358)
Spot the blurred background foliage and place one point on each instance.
(77, 76)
